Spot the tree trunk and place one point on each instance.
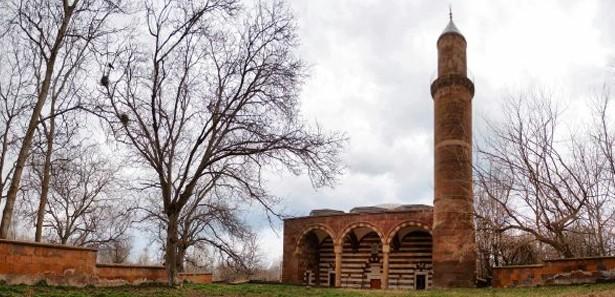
(40, 215)
(171, 248)
(181, 255)
(566, 251)
(24, 151)
(602, 248)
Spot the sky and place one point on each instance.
(371, 64)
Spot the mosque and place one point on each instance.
(404, 246)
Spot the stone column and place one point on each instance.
(338, 265)
(385, 266)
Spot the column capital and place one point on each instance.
(386, 249)
(337, 249)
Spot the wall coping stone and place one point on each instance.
(519, 266)
(553, 260)
(129, 266)
(47, 245)
(580, 258)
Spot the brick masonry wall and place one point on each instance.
(384, 223)
(556, 272)
(117, 274)
(454, 252)
(31, 263)
(197, 278)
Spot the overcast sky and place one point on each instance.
(371, 65)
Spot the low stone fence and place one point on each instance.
(32, 263)
(556, 272)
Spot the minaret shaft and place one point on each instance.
(454, 256)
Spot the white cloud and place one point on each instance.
(372, 63)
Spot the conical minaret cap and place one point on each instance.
(451, 27)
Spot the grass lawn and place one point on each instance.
(253, 290)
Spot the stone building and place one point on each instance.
(407, 246)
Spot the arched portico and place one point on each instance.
(359, 254)
(322, 244)
(314, 251)
(320, 230)
(360, 225)
(409, 262)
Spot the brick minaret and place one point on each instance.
(454, 258)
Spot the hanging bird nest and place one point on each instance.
(104, 81)
(124, 119)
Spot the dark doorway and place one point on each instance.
(374, 283)
(331, 280)
(420, 282)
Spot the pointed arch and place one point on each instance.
(403, 225)
(350, 227)
(310, 228)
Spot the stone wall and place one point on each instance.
(32, 263)
(556, 272)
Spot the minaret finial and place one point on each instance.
(451, 25)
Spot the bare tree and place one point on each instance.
(210, 97)
(601, 210)
(212, 222)
(15, 101)
(229, 269)
(116, 251)
(199, 259)
(498, 244)
(144, 257)
(85, 204)
(491, 223)
(542, 192)
(57, 138)
(539, 182)
(57, 34)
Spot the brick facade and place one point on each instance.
(337, 252)
(403, 249)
